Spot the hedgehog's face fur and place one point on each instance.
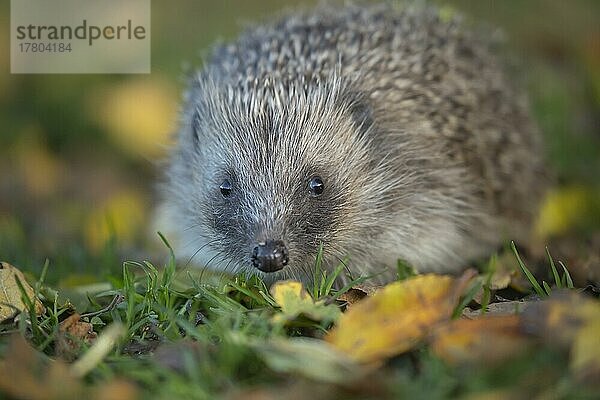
(266, 173)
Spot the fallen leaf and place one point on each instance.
(397, 317)
(27, 374)
(11, 302)
(115, 389)
(295, 301)
(468, 340)
(505, 271)
(352, 296)
(310, 358)
(72, 333)
(570, 321)
(368, 288)
(77, 328)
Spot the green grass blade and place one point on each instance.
(554, 270)
(475, 287)
(30, 305)
(487, 293)
(568, 279)
(536, 286)
(546, 288)
(169, 271)
(332, 277)
(317, 277)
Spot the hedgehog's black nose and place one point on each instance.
(270, 256)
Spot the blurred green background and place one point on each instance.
(79, 153)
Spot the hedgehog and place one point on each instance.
(367, 134)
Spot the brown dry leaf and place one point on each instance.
(26, 374)
(368, 287)
(72, 333)
(468, 340)
(397, 317)
(10, 294)
(352, 296)
(572, 321)
(117, 389)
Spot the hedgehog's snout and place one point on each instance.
(270, 255)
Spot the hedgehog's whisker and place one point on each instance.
(211, 242)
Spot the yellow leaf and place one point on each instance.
(468, 340)
(10, 294)
(396, 317)
(284, 292)
(294, 301)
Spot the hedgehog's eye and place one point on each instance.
(316, 186)
(226, 188)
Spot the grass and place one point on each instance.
(543, 290)
(178, 336)
(205, 340)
